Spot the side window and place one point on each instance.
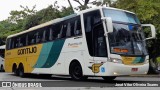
(32, 37)
(13, 43)
(51, 34)
(77, 26)
(8, 46)
(73, 27)
(68, 32)
(39, 35)
(91, 19)
(22, 40)
(16, 39)
(47, 33)
(45, 36)
(57, 28)
(17, 42)
(63, 29)
(27, 42)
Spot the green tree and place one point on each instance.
(44, 15)
(18, 16)
(146, 10)
(14, 23)
(84, 4)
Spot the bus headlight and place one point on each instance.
(115, 60)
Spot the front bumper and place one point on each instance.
(116, 69)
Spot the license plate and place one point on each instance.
(134, 69)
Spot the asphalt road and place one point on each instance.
(66, 83)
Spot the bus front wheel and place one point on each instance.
(76, 71)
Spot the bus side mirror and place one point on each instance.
(109, 24)
(153, 31)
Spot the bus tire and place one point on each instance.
(21, 70)
(15, 70)
(2, 68)
(76, 72)
(109, 78)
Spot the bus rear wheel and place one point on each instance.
(76, 71)
(15, 70)
(21, 71)
(109, 78)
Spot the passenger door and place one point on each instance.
(100, 49)
(96, 42)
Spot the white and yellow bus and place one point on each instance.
(104, 42)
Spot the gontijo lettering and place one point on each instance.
(27, 50)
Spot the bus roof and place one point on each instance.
(101, 7)
(64, 18)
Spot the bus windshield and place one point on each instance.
(121, 16)
(127, 37)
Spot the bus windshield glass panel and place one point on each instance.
(127, 37)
